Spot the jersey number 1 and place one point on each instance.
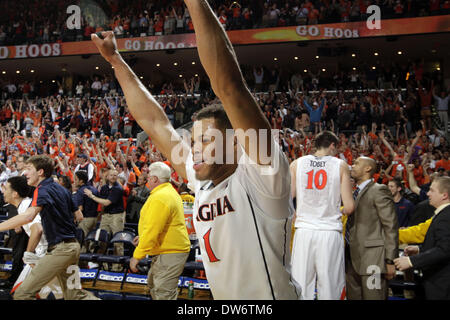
(315, 178)
(212, 257)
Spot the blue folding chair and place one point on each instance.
(126, 238)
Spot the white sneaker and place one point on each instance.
(92, 265)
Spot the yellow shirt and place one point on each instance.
(162, 227)
(414, 234)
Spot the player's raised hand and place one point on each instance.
(106, 46)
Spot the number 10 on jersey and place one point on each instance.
(317, 179)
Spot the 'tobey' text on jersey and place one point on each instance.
(209, 211)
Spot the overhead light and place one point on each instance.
(373, 68)
(4, 72)
(295, 58)
(53, 81)
(399, 52)
(193, 62)
(353, 55)
(276, 59)
(317, 57)
(158, 65)
(305, 71)
(18, 71)
(112, 67)
(375, 54)
(354, 68)
(181, 76)
(196, 74)
(323, 70)
(96, 68)
(32, 71)
(141, 77)
(438, 69)
(175, 63)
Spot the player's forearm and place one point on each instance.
(215, 50)
(35, 237)
(15, 222)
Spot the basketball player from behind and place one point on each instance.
(241, 216)
(319, 182)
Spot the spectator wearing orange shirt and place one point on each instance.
(444, 162)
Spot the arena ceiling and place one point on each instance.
(291, 56)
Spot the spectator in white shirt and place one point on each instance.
(96, 87)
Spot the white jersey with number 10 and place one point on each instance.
(318, 192)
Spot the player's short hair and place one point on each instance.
(443, 184)
(82, 175)
(325, 139)
(217, 112)
(19, 184)
(42, 162)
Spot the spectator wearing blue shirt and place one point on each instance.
(315, 113)
(87, 206)
(54, 203)
(111, 198)
(403, 207)
(112, 107)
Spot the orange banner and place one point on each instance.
(350, 30)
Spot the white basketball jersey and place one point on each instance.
(244, 230)
(41, 248)
(318, 193)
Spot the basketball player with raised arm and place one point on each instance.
(319, 183)
(242, 209)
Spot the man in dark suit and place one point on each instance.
(433, 256)
(371, 236)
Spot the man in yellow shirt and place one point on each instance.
(162, 235)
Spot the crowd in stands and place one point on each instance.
(380, 116)
(26, 22)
